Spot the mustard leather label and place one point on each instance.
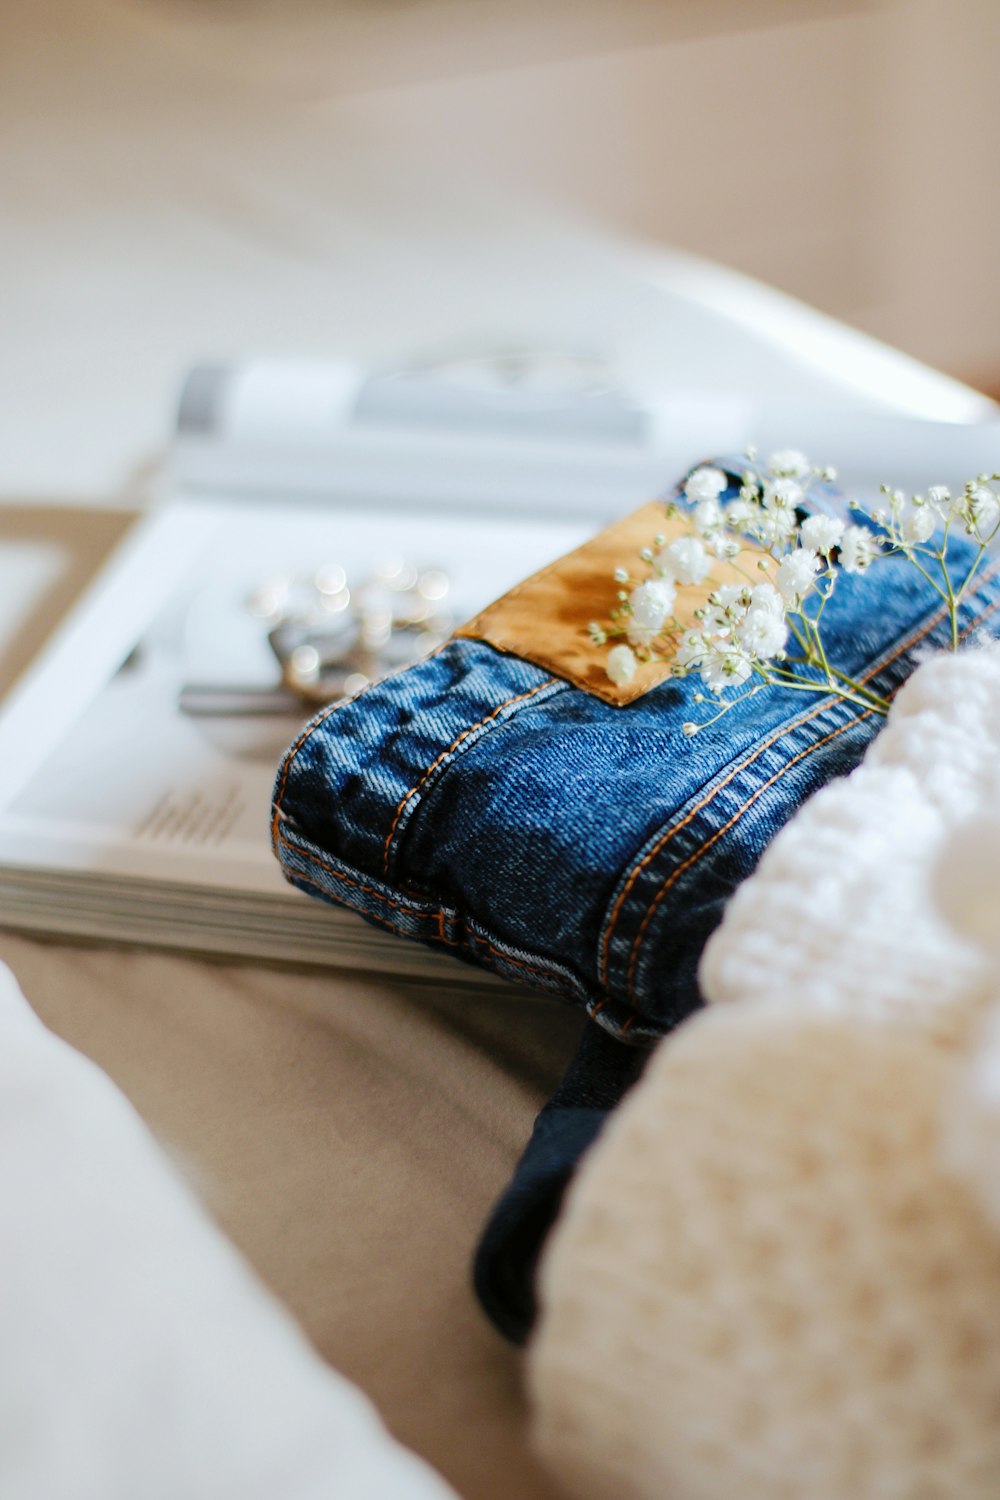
(544, 619)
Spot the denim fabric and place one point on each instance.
(597, 1079)
(478, 804)
(484, 807)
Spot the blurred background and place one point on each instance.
(190, 179)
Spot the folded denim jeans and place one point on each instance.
(481, 804)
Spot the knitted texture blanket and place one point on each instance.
(778, 1274)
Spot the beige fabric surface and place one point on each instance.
(349, 1135)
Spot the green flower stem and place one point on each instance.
(912, 557)
(731, 704)
(882, 704)
(949, 591)
(975, 564)
(813, 626)
(802, 640)
(851, 693)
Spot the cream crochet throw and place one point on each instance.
(778, 1275)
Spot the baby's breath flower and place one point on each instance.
(725, 606)
(764, 596)
(919, 525)
(684, 560)
(984, 509)
(651, 603)
(689, 729)
(708, 515)
(775, 528)
(789, 463)
(692, 647)
(740, 512)
(740, 627)
(783, 495)
(796, 574)
(858, 549)
(719, 544)
(621, 665)
(821, 533)
(705, 484)
(762, 633)
(724, 666)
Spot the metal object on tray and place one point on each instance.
(332, 637)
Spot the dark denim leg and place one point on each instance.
(601, 1073)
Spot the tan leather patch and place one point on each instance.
(544, 619)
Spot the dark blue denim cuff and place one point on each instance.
(597, 1079)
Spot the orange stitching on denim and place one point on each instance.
(438, 916)
(318, 886)
(359, 885)
(704, 848)
(408, 797)
(808, 750)
(508, 958)
(314, 724)
(974, 624)
(676, 828)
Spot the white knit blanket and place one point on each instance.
(778, 1273)
(842, 908)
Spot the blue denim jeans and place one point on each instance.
(478, 804)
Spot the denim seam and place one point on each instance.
(445, 755)
(439, 916)
(964, 635)
(295, 876)
(703, 848)
(694, 857)
(429, 912)
(567, 982)
(665, 837)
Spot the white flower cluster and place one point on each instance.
(771, 629)
(911, 522)
(739, 624)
